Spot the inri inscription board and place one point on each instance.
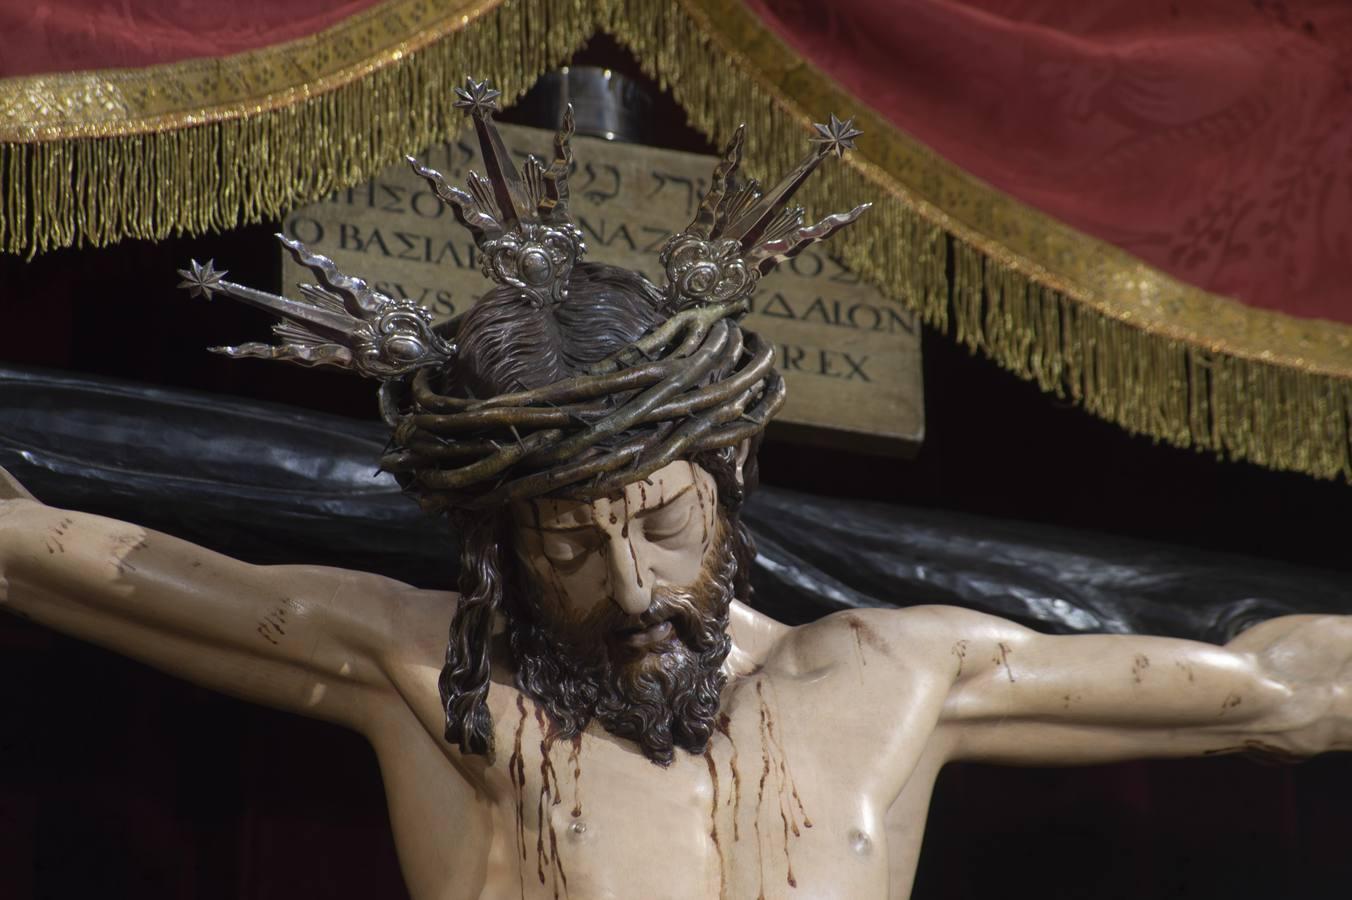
(850, 357)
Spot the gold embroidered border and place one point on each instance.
(118, 102)
(94, 157)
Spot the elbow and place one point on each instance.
(1326, 721)
(1305, 717)
(1306, 661)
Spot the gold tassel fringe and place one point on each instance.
(1277, 397)
(1174, 391)
(191, 178)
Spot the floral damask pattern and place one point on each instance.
(1212, 138)
(49, 36)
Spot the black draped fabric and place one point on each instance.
(273, 484)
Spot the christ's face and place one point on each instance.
(598, 566)
(628, 614)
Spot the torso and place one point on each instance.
(790, 800)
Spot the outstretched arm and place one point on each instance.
(303, 638)
(1280, 689)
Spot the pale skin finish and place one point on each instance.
(817, 785)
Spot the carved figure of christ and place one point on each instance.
(822, 747)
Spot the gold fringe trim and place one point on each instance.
(1083, 320)
(287, 125)
(124, 154)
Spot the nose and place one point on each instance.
(631, 579)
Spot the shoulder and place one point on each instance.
(874, 683)
(415, 622)
(932, 636)
(403, 631)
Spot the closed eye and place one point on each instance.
(667, 522)
(566, 553)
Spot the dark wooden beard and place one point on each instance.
(662, 698)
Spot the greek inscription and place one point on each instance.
(390, 197)
(857, 315)
(305, 229)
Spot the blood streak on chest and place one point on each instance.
(516, 771)
(776, 821)
(544, 782)
(724, 727)
(575, 760)
(547, 857)
(713, 816)
(777, 798)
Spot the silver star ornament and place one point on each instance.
(836, 136)
(201, 280)
(477, 96)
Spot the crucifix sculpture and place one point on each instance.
(609, 718)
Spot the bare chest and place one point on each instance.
(751, 817)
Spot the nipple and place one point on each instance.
(860, 842)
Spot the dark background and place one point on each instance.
(116, 781)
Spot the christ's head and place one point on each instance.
(615, 606)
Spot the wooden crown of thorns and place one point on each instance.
(697, 382)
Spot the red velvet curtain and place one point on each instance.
(73, 35)
(1210, 138)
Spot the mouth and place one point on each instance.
(642, 638)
